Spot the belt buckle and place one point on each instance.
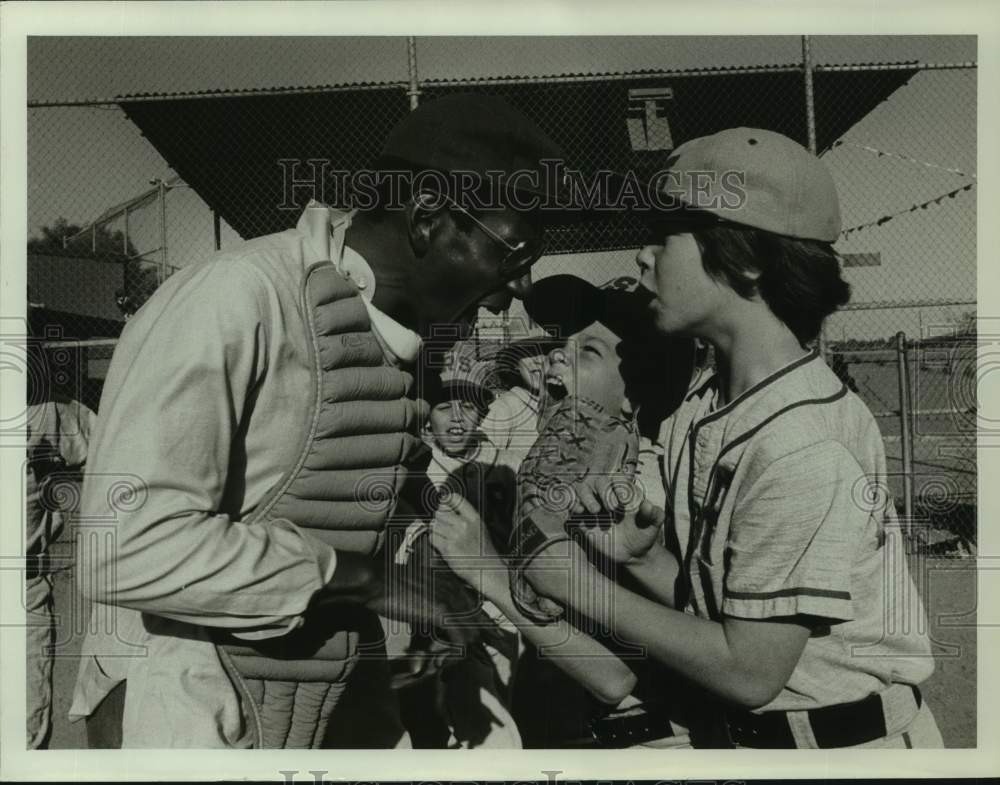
(741, 733)
(602, 732)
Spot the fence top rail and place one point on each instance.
(80, 343)
(889, 354)
(252, 92)
(614, 76)
(404, 85)
(146, 197)
(920, 66)
(881, 305)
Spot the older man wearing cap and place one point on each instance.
(257, 413)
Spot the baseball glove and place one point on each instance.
(579, 439)
(445, 613)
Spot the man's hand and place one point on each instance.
(458, 533)
(358, 579)
(629, 540)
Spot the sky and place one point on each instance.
(83, 159)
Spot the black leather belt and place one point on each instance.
(38, 564)
(843, 725)
(626, 728)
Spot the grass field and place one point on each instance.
(950, 597)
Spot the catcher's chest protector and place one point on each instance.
(342, 488)
(578, 438)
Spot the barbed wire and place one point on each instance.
(912, 208)
(880, 153)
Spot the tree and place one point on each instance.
(139, 277)
(110, 245)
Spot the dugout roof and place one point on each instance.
(226, 145)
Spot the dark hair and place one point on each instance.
(799, 280)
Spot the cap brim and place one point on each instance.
(667, 210)
(562, 304)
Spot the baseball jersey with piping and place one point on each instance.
(777, 507)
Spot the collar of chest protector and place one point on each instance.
(326, 230)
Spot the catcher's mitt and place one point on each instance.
(579, 438)
(419, 588)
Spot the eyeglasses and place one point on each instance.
(518, 257)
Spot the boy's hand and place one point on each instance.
(604, 492)
(629, 540)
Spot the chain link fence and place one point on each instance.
(909, 249)
(126, 188)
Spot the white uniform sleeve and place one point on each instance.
(649, 475)
(794, 537)
(179, 390)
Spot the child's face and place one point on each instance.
(589, 366)
(688, 300)
(454, 425)
(531, 370)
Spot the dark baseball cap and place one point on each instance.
(456, 382)
(467, 390)
(477, 133)
(656, 368)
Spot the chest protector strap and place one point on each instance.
(342, 488)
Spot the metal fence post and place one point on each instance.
(807, 69)
(411, 66)
(161, 272)
(905, 424)
(807, 72)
